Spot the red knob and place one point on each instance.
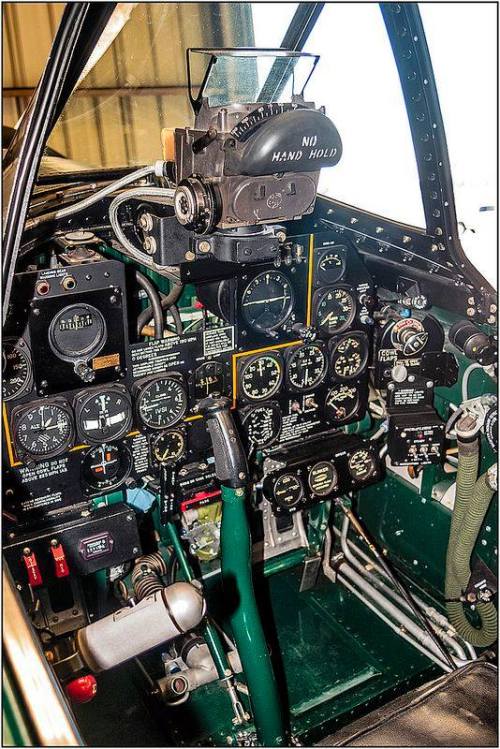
(82, 690)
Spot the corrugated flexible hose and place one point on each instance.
(471, 504)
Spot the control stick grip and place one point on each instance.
(231, 466)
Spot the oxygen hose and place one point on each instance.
(471, 504)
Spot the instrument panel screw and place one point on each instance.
(280, 236)
(149, 245)
(190, 256)
(471, 300)
(493, 308)
(204, 246)
(491, 319)
(471, 311)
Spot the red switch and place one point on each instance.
(32, 568)
(60, 564)
(83, 689)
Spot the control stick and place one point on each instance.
(236, 563)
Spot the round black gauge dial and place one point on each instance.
(106, 466)
(17, 373)
(43, 429)
(267, 301)
(288, 491)
(306, 367)
(341, 403)
(77, 332)
(261, 377)
(262, 424)
(331, 266)
(161, 402)
(208, 379)
(362, 464)
(349, 356)
(323, 478)
(168, 447)
(335, 311)
(104, 414)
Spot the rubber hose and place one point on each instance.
(458, 570)
(468, 466)
(154, 300)
(177, 319)
(166, 302)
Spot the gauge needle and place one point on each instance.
(266, 301)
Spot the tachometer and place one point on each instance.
(17, 373)
(103, 414)
(261, 376)
(262, 424)
(335, 310)
(267, 301)
(161, 401)
(42, 429)
(306, 367)
(349, 356)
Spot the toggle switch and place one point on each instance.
(61, 568)
(32, 568)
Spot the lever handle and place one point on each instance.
(231, 466)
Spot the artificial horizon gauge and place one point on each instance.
(106, 466)
(348, 356)
(323, 478)
(169, 446)
(362, 464)
(330, 266)
(288, 491)
(42, 429)
(334, 310)
(341, 402)
(103, 414)
(76, 332)
(208, 379)
(262, 424)
(267, 301)
(306, 367)
(160, 401)
(260, 376)
(17, 370)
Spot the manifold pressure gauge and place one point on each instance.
(168, 447)
(106, 466)
(17, 372)
(341, 403)
(334, 310)
(267, 301)
(262, 424)
(306, 367)
(260, 376)
(42, 429)
(349, 356)
(160, 402)
(362, 465)
(103, 414)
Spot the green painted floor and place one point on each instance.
(332, 657)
